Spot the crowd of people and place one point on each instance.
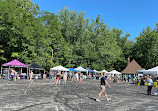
(139, 80)
(13, 74)
(57, 76)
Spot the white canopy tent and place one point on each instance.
(152, 71)
(59, 68)
(104, 71)
(97, 71)
(114, 72)
(81, 69)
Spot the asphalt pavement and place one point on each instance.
(41, 95)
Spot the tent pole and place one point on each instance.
(9, 72)
(1, 70)
(27, 72)
(44, 76)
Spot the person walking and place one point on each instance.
(149, 85)
(124, 77)
(31, 75)
(103, 82)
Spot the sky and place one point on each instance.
(130, 16)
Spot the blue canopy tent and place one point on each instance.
(71, 69)
(89, 70)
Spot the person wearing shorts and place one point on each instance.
(50, 76)
(103, 90)
(81, 77)
(64, 78)
(58, 78)
(31, 75)
(74, 77)
(77, 77)
(12, 74)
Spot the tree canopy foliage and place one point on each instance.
(30, 35)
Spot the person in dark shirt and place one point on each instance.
(103, 82)
(58, 78)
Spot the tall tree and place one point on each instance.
(146, 49)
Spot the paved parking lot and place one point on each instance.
(46, 96)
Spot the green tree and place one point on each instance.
(146, 49)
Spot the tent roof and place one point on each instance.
(35, 66)
(71, 69)
(81, 69)
(114, 72)
(132, 68)
(59, 68)
(14, 63)
(104, 71)
(151, 71)
(97, 71)
(89, 70)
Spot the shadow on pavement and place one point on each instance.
(92, 98)
(147, 94)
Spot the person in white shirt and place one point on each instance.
(77, 78)
(31, 75)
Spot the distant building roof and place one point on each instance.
(132, 68)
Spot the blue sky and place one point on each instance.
(131, 16)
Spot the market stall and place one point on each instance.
(36, 67)
(15, 64)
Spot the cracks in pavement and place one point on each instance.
(33, 105)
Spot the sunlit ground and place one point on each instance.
(46, 96)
